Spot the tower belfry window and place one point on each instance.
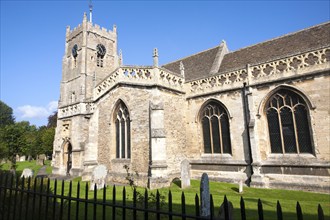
(74, 55)
(101, 51)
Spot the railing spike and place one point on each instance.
(242, 204)
(299, 212)
(320, 212)
(279, 211)
(260, 210)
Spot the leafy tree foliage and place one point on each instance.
(6, 115)
(52, 120)
(14, 140)
(21, 138)
(46, 139)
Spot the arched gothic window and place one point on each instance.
(123, 132)
(215, 125)
(288, 123)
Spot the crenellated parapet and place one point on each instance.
(76, 109)
(143, 76)
(299, 64)
(101, 31)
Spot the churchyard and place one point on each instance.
(64, 189)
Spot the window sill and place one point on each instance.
(290, 156)
(121, 160)
(293, 160)
(216, 156)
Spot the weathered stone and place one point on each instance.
(27, 173)
(205, 196)
(185, 174)
(240, 186)
(22, 158)
(40, 162)
(42, 157)
(99, 177)
(164, 105)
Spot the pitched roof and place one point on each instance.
(196, 65)
(199, 65)
(298, 42)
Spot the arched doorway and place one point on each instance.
(67, 157)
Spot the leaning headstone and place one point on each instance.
(205, 196)
(222, 211)
(99, 177)
(185, 174)
(27, 173)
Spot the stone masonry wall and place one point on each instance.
(137, 102)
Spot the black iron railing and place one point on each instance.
(35, 199)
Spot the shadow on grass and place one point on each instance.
(35, 205)
(177, 182)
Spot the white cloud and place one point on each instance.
(52, 106)
(29, 112)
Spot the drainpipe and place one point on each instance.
(247, 128)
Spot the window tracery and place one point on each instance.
(288, 123)
(123, 134)
(215, 125)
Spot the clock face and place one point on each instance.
(101, 50)
(75, 51)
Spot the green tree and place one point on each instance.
(12, 140)
(6, 115)
(52, 120)
(46, 136)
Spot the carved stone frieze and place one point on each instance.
(76, 109)
(139, 76)
(254, 73)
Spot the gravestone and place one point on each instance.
(240, 186)
(185, 174)
(99, 177)
(41, 159)
(222, 211)
(27, 173)
(205, 196)
(22, 158)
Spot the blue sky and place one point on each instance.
(33, 37)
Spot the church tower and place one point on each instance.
(90, 55)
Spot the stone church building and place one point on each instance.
(260, 114)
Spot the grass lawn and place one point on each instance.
(27, 164)
(288, 199)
